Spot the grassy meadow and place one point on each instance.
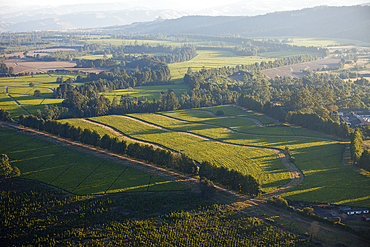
(74, 171)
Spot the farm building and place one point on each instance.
(353, 119)
(350, 112)
(356, 211)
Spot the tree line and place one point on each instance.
(360, 155)
(308, 120)
(231, 179)
(160, 157)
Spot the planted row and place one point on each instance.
(160, 157)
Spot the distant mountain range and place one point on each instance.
(253, 20)
(351, 22)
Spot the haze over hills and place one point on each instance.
(326, 22)
(29, 18)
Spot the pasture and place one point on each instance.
(19, 89)
(148, 92)
(262, 164)
(73, 171)
(212, 59)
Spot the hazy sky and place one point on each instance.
(179, 4)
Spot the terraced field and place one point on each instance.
(73, 171)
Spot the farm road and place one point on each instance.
(296, 175)
(7, 93)
(241, 203)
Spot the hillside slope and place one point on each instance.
(326, 22)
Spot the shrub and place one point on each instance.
(219, 113)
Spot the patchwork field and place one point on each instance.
(73, 171)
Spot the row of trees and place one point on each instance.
(160, 157)
(360, 155)
(5, 71)
(308, 120)
(230, 179)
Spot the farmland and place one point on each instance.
(295, 69)
(317, 156)
(212, 59)
(258, 162)
(148, 92)
(73, 171)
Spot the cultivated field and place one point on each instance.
(19, 89)
(148, 92)
(317, 155)
(295, 69)
(263, 164)
(25, 65)
(212, 59)
(73, 171)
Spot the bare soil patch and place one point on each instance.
(24, 65)
(295, 69)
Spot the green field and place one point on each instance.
(148, 92)
(77, 122)
(73, 171)
(263, 164)
(282, 54)
(19, 89)
(94, 57)
(235, 119)
(212, 59)
(133, 42)
(326, 179)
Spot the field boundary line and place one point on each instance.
(127, 137)
(241, 133)
(83, 180)
(116, 179)
(67, 168)
(6, 87)
(42, 164)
